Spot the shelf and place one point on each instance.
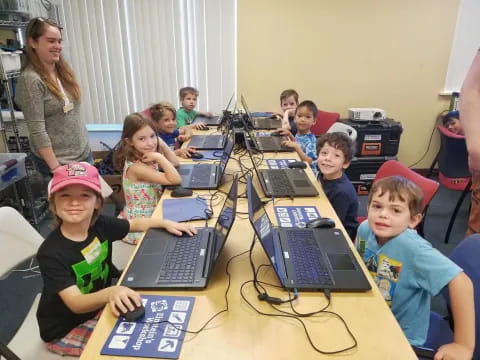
(13, 24)
(13, 74)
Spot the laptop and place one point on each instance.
(212, 142)
(265, 143)
(166, 261)
(283, 182)
(215, 120)
(306, 259)
(206, 176)
(261, 122)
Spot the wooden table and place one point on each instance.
(241, 333)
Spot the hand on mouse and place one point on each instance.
(201, 125)
(183, 153)
(122, 299)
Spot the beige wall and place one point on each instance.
(351, 53)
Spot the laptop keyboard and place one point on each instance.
(280, 183)
(201, 175)
(181, 261)
(308, 259)
(212, 141)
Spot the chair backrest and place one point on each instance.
(453, 155)
(466, 255)
(343, 128)
(18, 239)
(325, 119)
(396, 168)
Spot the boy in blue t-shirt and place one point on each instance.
(408, 271)
(335, 152)
(163, 115)
(304, 142)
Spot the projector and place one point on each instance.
(366, 114)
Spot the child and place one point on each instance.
(452, 122)
(76, 259)
(289, 103)
(186, 113)
(163, 114)
(304, 141)
(140, 160)
(335, 151)
(408, 270)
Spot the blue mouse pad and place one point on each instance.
(152, 335)
(210, 155)
(185, 209)
(295, 216)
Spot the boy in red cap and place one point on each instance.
(76, 259)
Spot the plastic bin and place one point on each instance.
(11, 61)
(14, 173)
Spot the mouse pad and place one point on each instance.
(279, 163)
(185, 209)
(210, 155)
(295, 216)
(147, 337)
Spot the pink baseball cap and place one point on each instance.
(78, 173)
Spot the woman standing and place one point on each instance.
(49, 96)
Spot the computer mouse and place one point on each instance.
(197, 155)
(205, 128)
(181, 192)
(322, 222)
(133, 315)
(297, 165)
(276, 133)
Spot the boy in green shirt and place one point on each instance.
(186, 113)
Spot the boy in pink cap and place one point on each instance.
(76, 259)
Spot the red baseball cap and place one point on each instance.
(78, 173)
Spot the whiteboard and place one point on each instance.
(466, 43)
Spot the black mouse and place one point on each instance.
(297, 165)
(133, 315)
(276, 133)
(321, 222)
(197, 155)
(181, 192)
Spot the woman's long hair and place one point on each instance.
(132, 123)
(36, 28)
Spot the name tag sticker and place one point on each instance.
(92, 251)
(68, 107)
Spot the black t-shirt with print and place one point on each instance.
(64, 263)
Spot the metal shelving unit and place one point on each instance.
(36, 209)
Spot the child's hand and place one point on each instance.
(121, 298)
(290, 144)
(151, 157)
(200, 125)
(178, 228)
(290, 111)
(285, 132)
(453, 351)
(182, 138)
(183, 153)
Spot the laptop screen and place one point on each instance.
(225, 219)
(260, 220)
(226, 153)
(249, 150)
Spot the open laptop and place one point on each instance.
(283, 182)
(265, 143)
(261, 122)
(306, 259)
(206, 176)
(212, 142)
(166, 261)
(215, 120)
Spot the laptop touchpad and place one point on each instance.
(341, 262)
(301, 183)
